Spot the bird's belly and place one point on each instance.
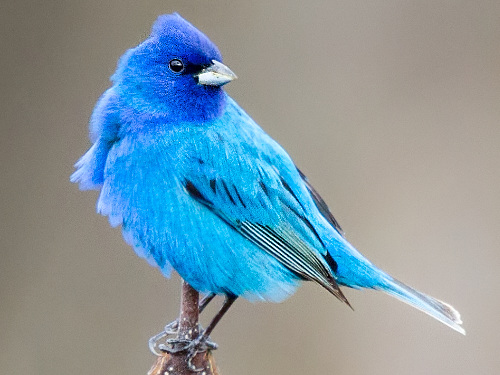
(206, 252)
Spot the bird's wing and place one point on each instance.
(256, 201)
(321, 204)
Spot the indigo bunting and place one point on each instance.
(199, 187)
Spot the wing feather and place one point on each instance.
(280, 242)
(321, 204)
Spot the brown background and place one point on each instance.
(392, 109)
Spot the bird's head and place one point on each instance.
(175, 73)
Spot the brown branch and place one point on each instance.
(177, 364)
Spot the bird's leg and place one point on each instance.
(205, 301)
(172, 328)
(223, 310)
(202, 342)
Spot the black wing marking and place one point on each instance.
(284, 245)
(321, 204)
(294, 254)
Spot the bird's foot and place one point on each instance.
(176, 345)
(172, 328)
(154, 342)
(200, 344)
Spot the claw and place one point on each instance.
(177, 345)
(174, 346)
(161, 349)
(172, 328)
(190, 364)
(153, 341)
(199, 345)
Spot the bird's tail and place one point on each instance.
(439, 310)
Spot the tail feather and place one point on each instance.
(439, 310)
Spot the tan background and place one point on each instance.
(391, 107)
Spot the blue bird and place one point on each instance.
(199, 187)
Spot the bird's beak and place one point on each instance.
(216, 74)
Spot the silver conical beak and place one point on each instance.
(216, 74)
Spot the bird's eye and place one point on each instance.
(176, 65)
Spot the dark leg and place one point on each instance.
(227, 304)
(202, 342)
(173, 327)
(205, 301)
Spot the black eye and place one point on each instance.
(176, 65)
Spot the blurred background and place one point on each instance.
(390, 107)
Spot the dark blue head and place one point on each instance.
(175, 73)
